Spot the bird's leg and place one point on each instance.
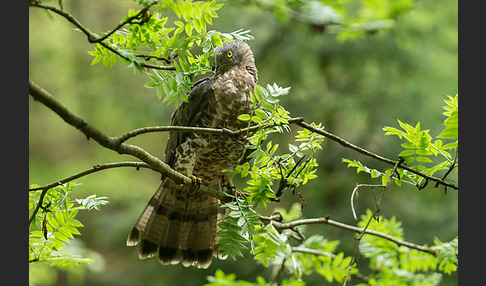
(226, 184)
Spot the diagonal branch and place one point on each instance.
(92, 38)
(113, 143)
(350, 145)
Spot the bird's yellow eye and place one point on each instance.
(230, 54)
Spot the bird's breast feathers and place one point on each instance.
(231, 98)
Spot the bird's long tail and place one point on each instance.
(179, 225)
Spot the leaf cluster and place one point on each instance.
(421, 151)
(175, 84)
(55, 225)
(238, 227)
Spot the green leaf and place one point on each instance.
(260, 113)
(96, 59)
(216, 39)
(244, 117)
(112, 60)
(423, 159)
(406, 153)
(188, 29)
(268, 106)
(393, 131)
(256, 119)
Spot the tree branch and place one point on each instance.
(144, 130)
(325, 220)
(296, 120)
(220, 131)
(313, 251)
(113, 143)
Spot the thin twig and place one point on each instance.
(375, 213)
(451, 167)
(92, 38)
(313, 251)
(355, 191)
(189, 129)
(39, 204)
(130, 20)
(148, 57)
(95, 168)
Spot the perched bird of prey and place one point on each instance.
(179, 224)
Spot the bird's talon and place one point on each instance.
(196, 182)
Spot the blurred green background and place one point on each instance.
(353, 88)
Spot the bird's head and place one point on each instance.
(232, 54)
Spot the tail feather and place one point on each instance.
(178, 225)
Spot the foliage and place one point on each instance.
(389, 263)
(392, 264)
(56, 224)
(275, 248)
(420, 149)
(221, 279)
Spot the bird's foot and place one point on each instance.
(196, 182)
